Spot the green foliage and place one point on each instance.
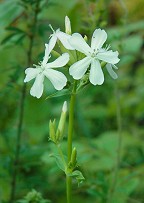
(59, 161)
(96, 135)
(33, 197)
(78, 175)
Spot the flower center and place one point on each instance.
(94, 53)
(42, 68)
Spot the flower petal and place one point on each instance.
(37, 88)
(78, 69)
(52, 42)
(96, 76)
(31, 73)
(111, 71)
(57, 78)
(98, 39)
(63, 37)
(78, 42)
(59, 62)
(115, 67)
(46, 56)
(109, 56)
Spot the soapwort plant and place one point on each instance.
(83, 64)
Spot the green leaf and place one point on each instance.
(78, 176)
(9, 11)
(15, 29)
(59, 161)
(14, 37)
(59, 93)
(7, 38)
(22, 201)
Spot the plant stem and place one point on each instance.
(70, 133)
(113, 187)
(21, 113)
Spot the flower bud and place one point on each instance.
(64, 108)
(103, 64)
(67, 25)
(55, 53)
(85, 38)
(74, 157)
(52, 131)
(61, 125)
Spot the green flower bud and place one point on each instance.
(67, 25)
(74, 157)
(73, 161)
(103, 64)
(55, 53)
(85, 38)
(61, 125)
(52, 131)
(57, 135)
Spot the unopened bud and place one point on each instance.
(64, 108)
(74, 157)
(61, 125)
(85, 38)
(67, 25)
(103, 64)
(52, 132)
(55, 53)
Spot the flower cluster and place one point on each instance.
(90, 61)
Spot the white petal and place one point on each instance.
(37, 88)
(109, 56)
(111, 71)
(31, 73)
(52, 42)
(98, 39)
(59, 62)
(115, 67)
(46, 56)
(63, 37)
(78, 69)
(96, 76)
(78, 42)
(57, 78)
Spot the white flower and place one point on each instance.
(93, 55)
(59, 35)
(45, 69)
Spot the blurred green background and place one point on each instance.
(109, 119)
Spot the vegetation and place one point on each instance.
(109, 119)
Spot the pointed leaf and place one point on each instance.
(59, 161)
(59, 93)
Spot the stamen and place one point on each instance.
(107, 47)
(51, 27)
(49, 57)
(37, 66)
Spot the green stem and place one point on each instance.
(70, 133)
(115, 171)
(21, 113)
